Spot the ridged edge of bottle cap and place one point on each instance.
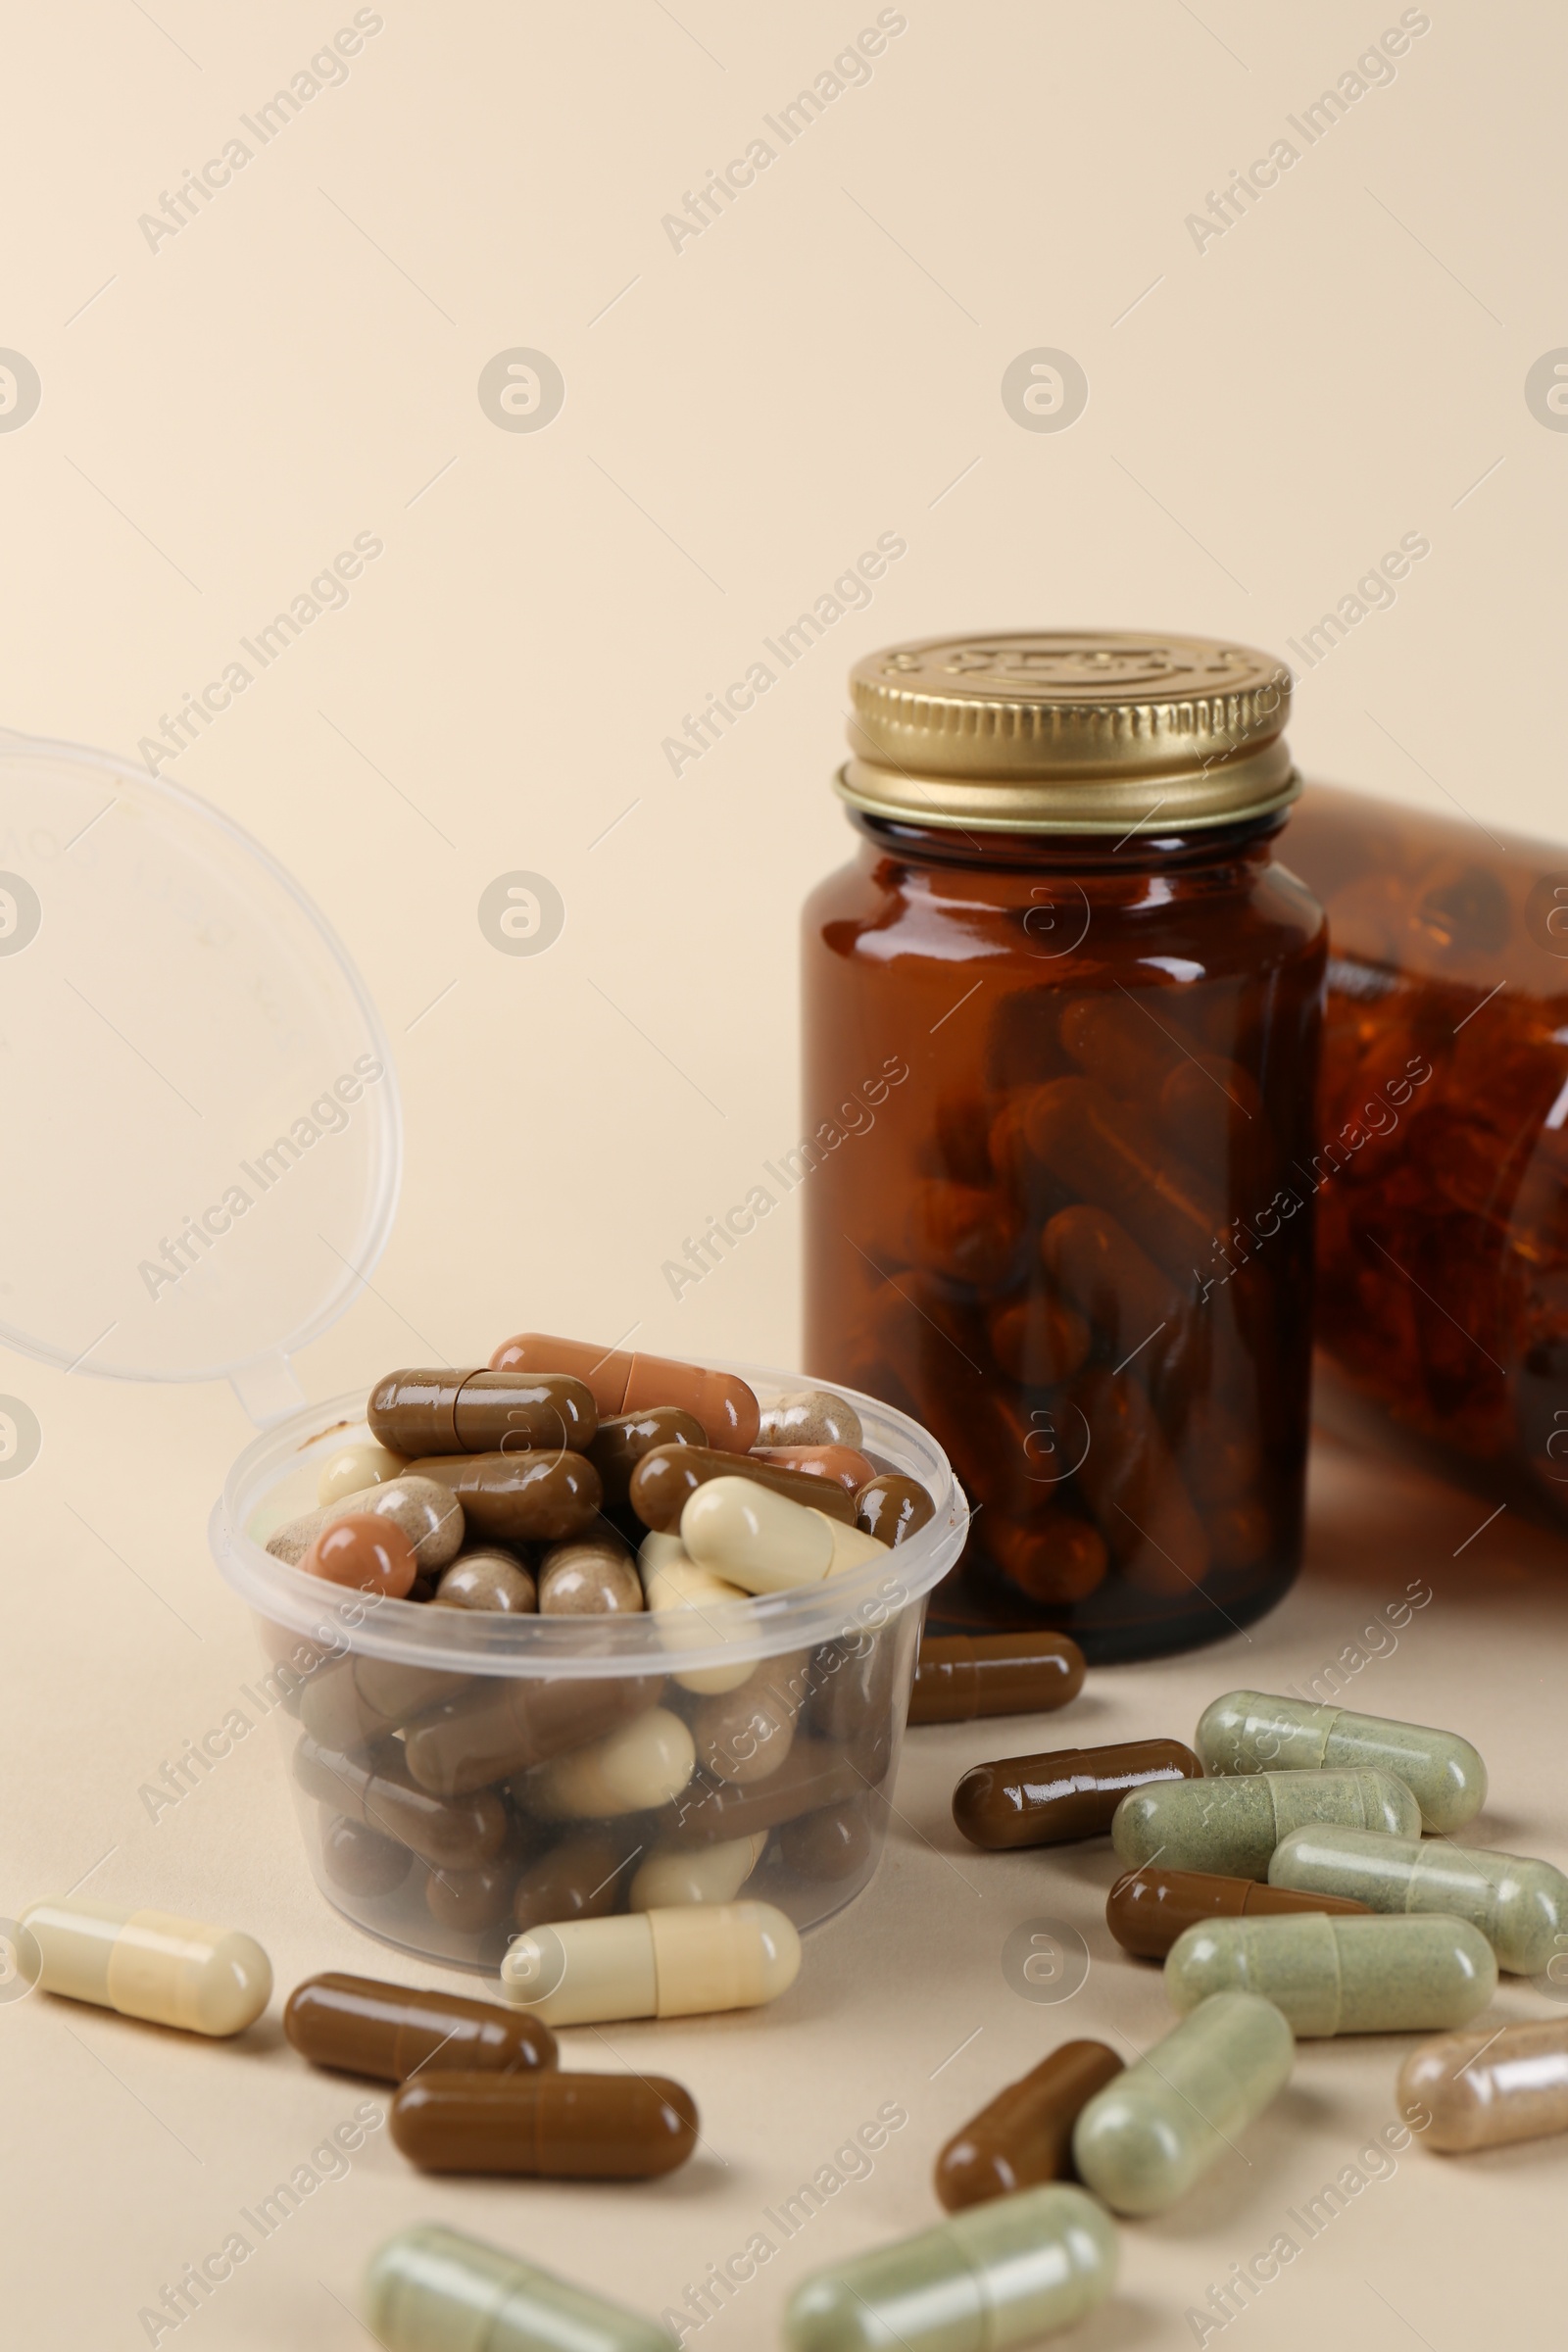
(1176, 804)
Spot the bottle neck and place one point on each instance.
(1137, 851)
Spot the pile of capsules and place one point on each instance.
(571, 1480)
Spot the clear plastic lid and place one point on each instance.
(202, 1136)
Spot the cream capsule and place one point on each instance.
(1142, 2142)
(701, 1874)
(1001, 2274)
(680, 1962)
(353, 1468)
(1340, 1976)
(1231, 1827)
(755, 1539)
(431, 2290)
(1249, 1731)
(694, 1610)
(1483, 2090)
(1519, 1904)
(632, 1769)
(150, 1964)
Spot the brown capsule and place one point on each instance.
(487, 1577)
(1024, 2136)
(595, 1578)
(623, 1442)
(548, 2126)
(520, 1496)
(744, 1734)
(481, 1412)
(707, 1812)
(893, 1508)
(832, 1844)
(366, 1555)
(450, 1836)
(845, 1465)
(471, 1900)
(624, 1382)
(507, 1723)
(358, 1859)
(1095, 1262)
(1148, 1908)
(364, 1698)
(359, 2026)
(1131, 1483)
(1055, 1558)
(1069, 1793)
(664, 1480)
(585, 1877)
(426, 1513)
(960, 1676)
(1039, 1341)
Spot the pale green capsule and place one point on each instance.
(1143, 2140)
(1519, 1904)
(431, 2290)
(1233, 1826)
(1248, 1731)
(1002, 2273)
(1337, 1974)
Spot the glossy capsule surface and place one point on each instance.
(893, 1508)
(638, 1766)
(1519, 1904)
(1233, 1826)
(1147, 1909)
(1069, 1793)
(960, 1677)
(424, 1412)
(552, 2126)
(1249, 1731)
(150, 1964)
(1340, 1976)
(1023, 2136)
(433, 2289)
(524, 1498)
(623, 1440)
(843, 1466)
(1005, 2273)
(626, 1383)
(1483, 2091)
(360, 2026)
(666, 1478)
(680, 1962)
(754, 1537)
(810, 1417)
(1142, 2142)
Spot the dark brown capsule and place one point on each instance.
(360, 2026)
(548, 2126)
(625, 1438)
(664, 1477)
(450, 1835)
(532, 1498)
(423, 1413)
(960, 1676)
(1147, 1909)
(471, 1900)
(1071, 1793)
(814, 1774)
(507, 1723)
(893, 1508)
(584, 1876)
(1024, 2136)
(358, 1859)
(832, 1844)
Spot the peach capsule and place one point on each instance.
(366, 1554)
(626, 1383)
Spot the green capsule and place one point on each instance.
(1339, 1976)
(1519, 1904)
(1001, 2274)
(1143, 2140)
(431, 2290)
(1233, 1826)
(1248, 1731)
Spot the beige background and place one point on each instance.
(220, 417)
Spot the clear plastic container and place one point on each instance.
(407, 1728)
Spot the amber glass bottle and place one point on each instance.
(1061, 1015)
(1443, 1155)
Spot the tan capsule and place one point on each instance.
(487, 1577)
(755, 1539)
(593, 1577)
(684, 1598)
(810, 1417)
(745, 1734)
(353, 1468)
(149, 1964)
(427, 1513)
(703, 1874)
(1483, 2090)
(675, 1963)
(639, 1765)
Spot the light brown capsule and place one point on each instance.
(360, 2026)
(427, 1515)
(1483, 2090)
(458, 1835)
(1147, 1909)
(364, 1698)
(624, 1382)
(418, 1412)
(959, 1677)
(548, 2126)
(707, 1812)
(1024, 2136)
(505, 1724)
(623, 1442)
(664, 1479)
(744, 1734)
(593, 1577)
(539, 1498)
(810, 1417)
(893, 1508)
(487, 1577)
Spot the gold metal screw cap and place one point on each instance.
(1070, 731)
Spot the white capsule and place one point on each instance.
(670, 1963)
(641, 1764)
(701, 1874)
(683, 1597)
(759, 1540)
(151, 1964)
